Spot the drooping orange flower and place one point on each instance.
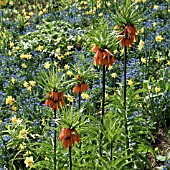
(69, 137)
(55, 100)
(80, 87)
(103, 57)
(126, 36)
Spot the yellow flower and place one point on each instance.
(0, 121)
(66, 67)
(122, 51)
(69, 73)
(114, 75)
(22, 146)
(130, 82)
(57, 50)
(28, 153)
(23, 133)
(40, 13)
(69, 98)
(17, 48)
(108, 4)
(23, 65)
(157, 89)
(158, 38)
(85, 96)
(155, 7)
(115, 51)
(159, 60)
(15, 11)
(154, 24)
(32, 83)
(9, 100)
(11, 44)
(3, 2)
(149, 88)
(9, 53)
(168, 63)
(40, 48)
(110, 67)
(29, 88)
(69, 47)
(26, 84)
(31, 13)
(142, 30)
(136, 96)
(14, 119)
(141, 44)
(14, 108)
(100, 14)
(55, 63)
(29, 161)
(12, 80)
(143, 60)
(43, 120)
(58, 39)
(47, 65)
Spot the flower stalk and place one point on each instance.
(70, 158)
(55, 142)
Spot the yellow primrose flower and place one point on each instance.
(143, 60)
(47, 65)
(85, 96)
(22, 146)
(23, 65)
(122, 51)
(108, 4)
(29, 88)
(115, 51)
(40, 48)
(110, 67)
(11, 44)
(32, 83)
(57, 50)
(100, 14)
(9, 53)
(69, 98)
(14, 119)
(17, 48)
(136, 96)
(155, 7)
(149, 88)
(142, 30)
(43, 120)
(158, 38)
(130, 82)
(0, 121)
(44, 10)
(29, 161)
(69, 73)
(9, 100)
(58, 39)
(3, 2)
(168, 63)
(28, 153)
(26, 84)
(55, 63)
(157, 89)
(12, 80)
(31, 13)
(154, 24)
(23, 133)
(114, 75)
(40, 13)
(69, 47)
(66, 66)
(14, 108)
(159, 60)
(15, 11)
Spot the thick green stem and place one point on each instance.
(103, 101)
(125, 116)
(55, 134)
(70, 158)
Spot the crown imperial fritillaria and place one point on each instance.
(69, 137)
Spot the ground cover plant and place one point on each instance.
(84, 85)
